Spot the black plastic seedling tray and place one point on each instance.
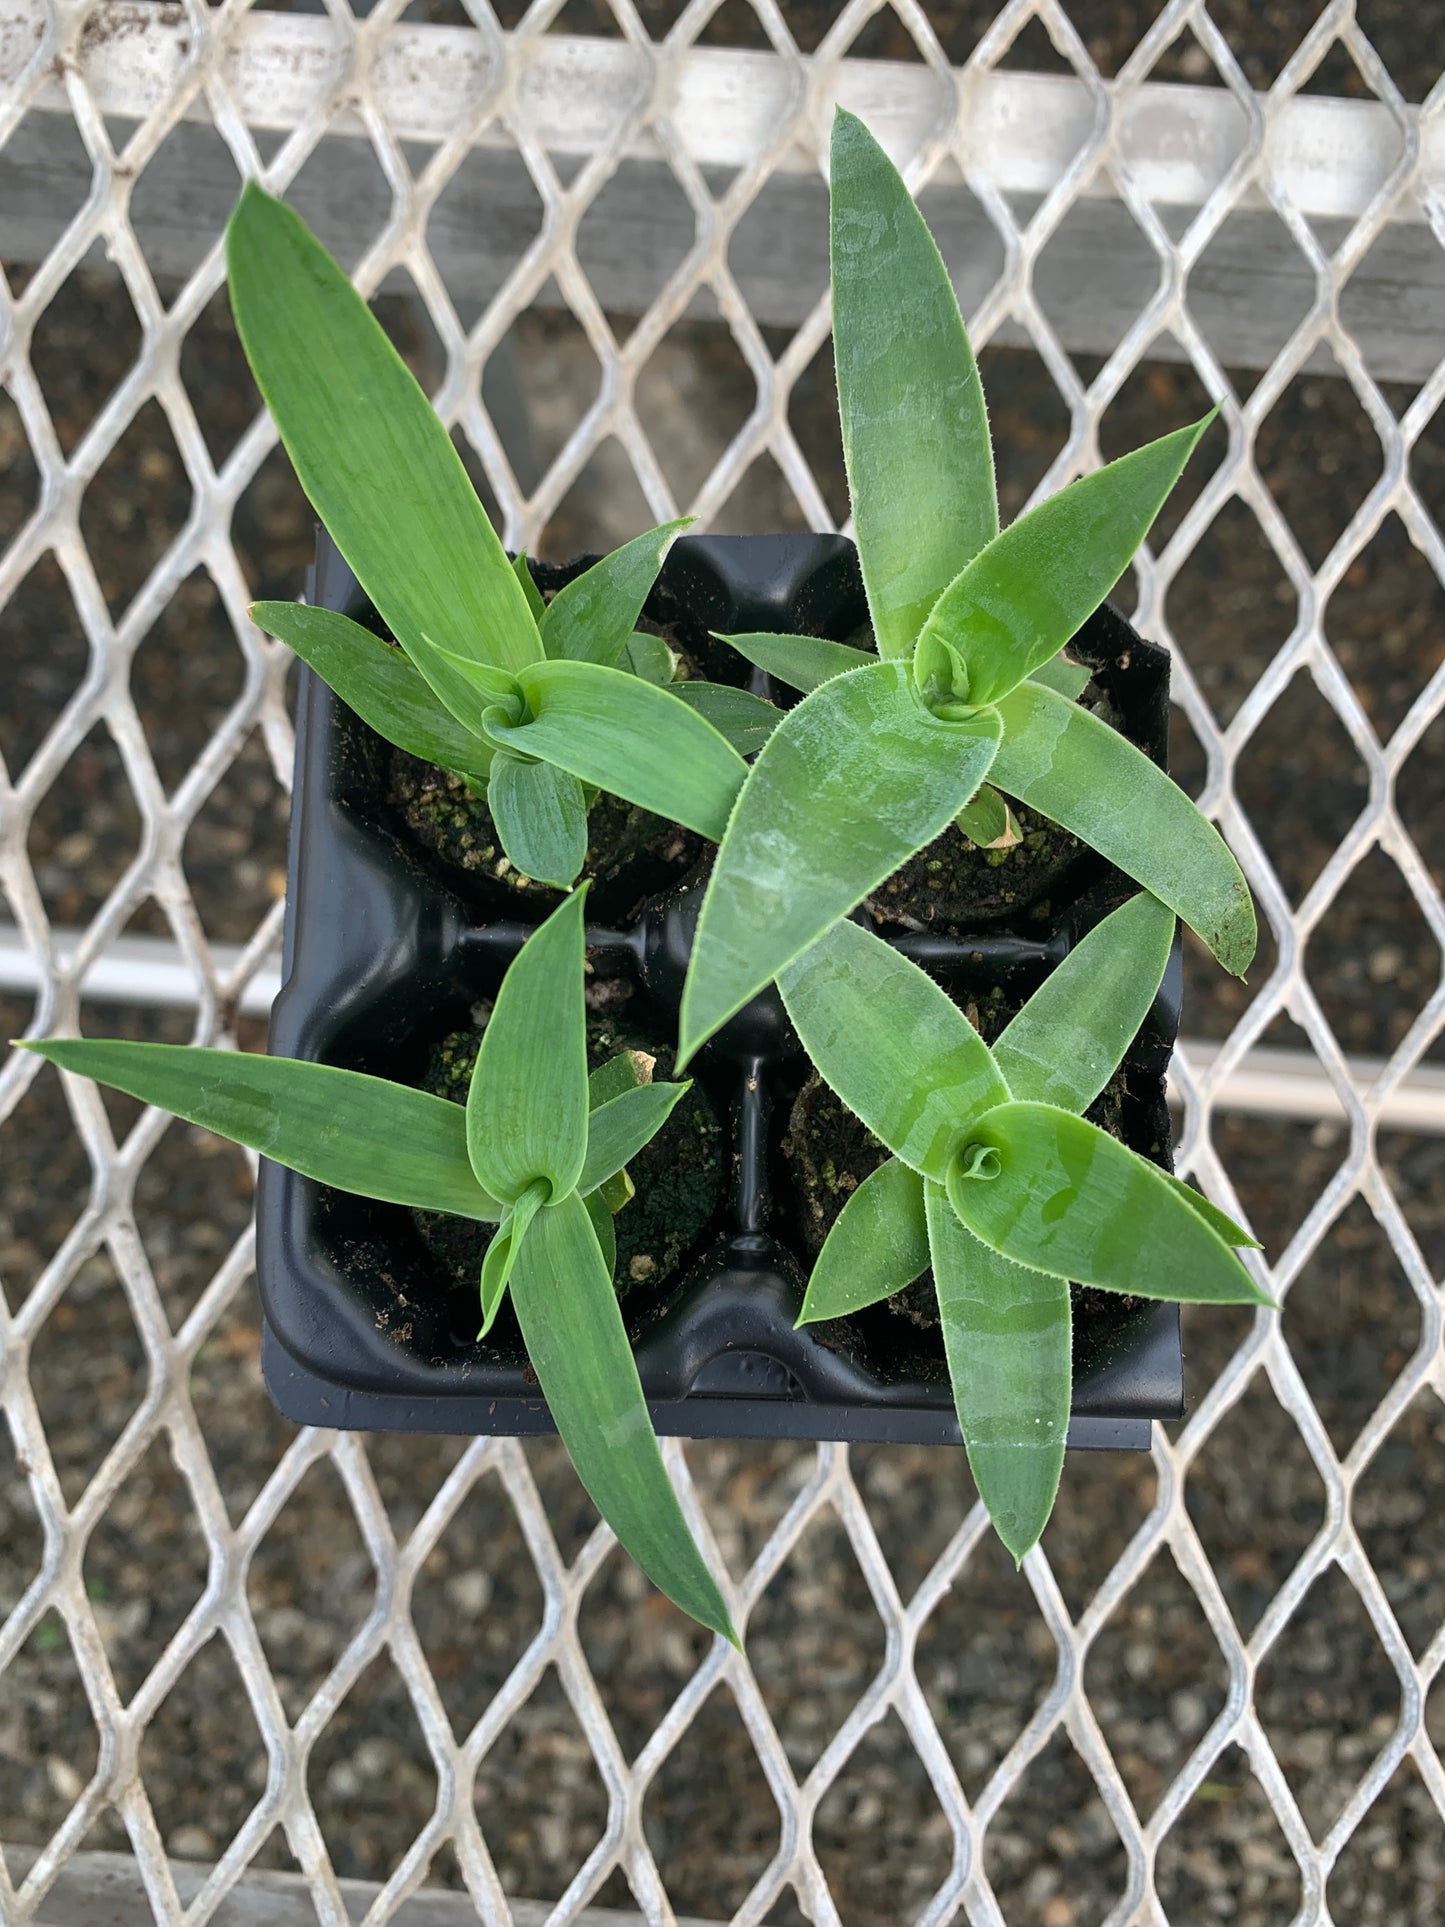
(386, 951)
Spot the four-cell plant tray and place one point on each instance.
(387, 950)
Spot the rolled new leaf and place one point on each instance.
(649, 657)
(527, 1105)
(878, 1244)
(540, 818)
(850, 784)
(379, 682)
(367, 446)
(915, 430)
(900, 1054)
(802, 662)
(629, 738)
(593, 618)
(1063, 761)
(1070, 1037)
(501, 1254)
(987, 820)
(1007, 1338)
(343, 1128)
(1050, 1190)
(1016, 604)
(572, 1324)
(618, 1129)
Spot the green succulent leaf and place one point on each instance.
(343, 1128)
(624, 1072)
(1218, 1221)
(605, 1232)
(802, 662)
(540, 817)
(1070, 1037)
(501, 1253)
(649, 657)
(527, 1106)
(367, 446)
(593, 618)
(1016, 604)
(1063, 761)
(629, 738)
(744, 721)
(522, 569)
(469, 690)
(850, 784)
(915, 431)
(618, 1129)
(379, 682)
(1007, 1337)
(572, 1324)
(613, 1193)
(1076, 769)
(1061, 1195)
(987, 820)
(1065, 678)
(900, 1054)
(877, 1245)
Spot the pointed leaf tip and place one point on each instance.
(911, 407)
(578, 1347)
(527, 1108)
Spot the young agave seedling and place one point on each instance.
(535, 1150)
(998, 1182)
(539, 708)
(967, 696)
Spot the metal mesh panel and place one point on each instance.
(1176, 163)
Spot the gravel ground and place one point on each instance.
(1326, 1696)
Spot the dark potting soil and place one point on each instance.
(954, 884)
(677, 1176)
(630, 852)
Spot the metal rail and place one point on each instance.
(152, 973)
(1357, 186)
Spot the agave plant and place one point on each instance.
(537, 1150)
(538, 707)
(998, 1182)
(966, 696)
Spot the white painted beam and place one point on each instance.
(1021, 131)
(107, 1890)
(150, 971)
(1246, 294)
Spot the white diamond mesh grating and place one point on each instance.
(203, 79)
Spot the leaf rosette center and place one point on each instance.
(976, 1163)
(941, 679)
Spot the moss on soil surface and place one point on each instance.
(625, 845)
